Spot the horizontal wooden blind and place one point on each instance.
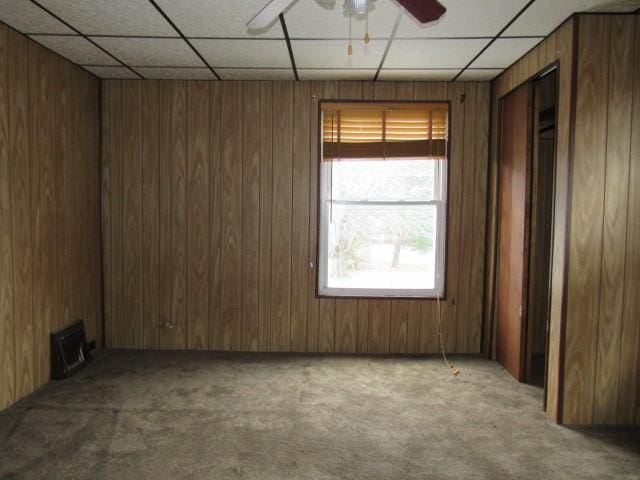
(374, 130)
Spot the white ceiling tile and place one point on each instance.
(543, 16)
(433, 75)
(405, 54)
(504, 51)
(111, 72)
(476, 18)
(336, 74)
(307, 19)
(27, 17)
(159, 52)
(255, 74)
(217, 18)
(244, 53)
(77, 49)
(176, 73)
(480, 74)
(333, 53)
(112, 17)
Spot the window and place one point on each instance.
(383, 190)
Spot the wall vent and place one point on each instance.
(69, 351)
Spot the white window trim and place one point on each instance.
(440, 253)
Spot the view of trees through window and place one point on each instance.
(382, 223)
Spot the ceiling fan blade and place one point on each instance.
(268, 14)
(424, 11)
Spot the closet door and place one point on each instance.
(514, 208)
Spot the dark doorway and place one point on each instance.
(542, 188)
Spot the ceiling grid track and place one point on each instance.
(164, 39)
(504, 29)
(394, 30)
(175, 27)
(289, 47)
(68, 25)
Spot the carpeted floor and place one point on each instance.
(174, 415)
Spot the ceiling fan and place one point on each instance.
(425, 11)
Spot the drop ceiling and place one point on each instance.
(207, 39)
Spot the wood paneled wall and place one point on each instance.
(594, 351)
(209, 220)
(603, 301)
(50, 268)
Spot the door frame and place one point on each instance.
(528, 83)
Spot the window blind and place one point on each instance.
(374, 130)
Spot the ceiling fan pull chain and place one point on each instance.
(366, 31)
(350, 48)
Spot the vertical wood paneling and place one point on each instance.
(346, 326)
(398, 326)
(467, 216)
(198, 216)
(231, 216)
(63, 173)
(481, 163)
(629, 381)
(49, 209)
(215, 212)
(326, 332)
(618, 131)
(300, 216)
(586, 220)
(262, 220)
(363, 326)
(105, 178)
(250, 214)
(266, 196)
(449, 325)
(7, 353)
(150, 213)
(379, 316)
(132, 212)
(164, 160)
(42, 168)
(281, 216)
(178, 213)
(22, 239)
(92, 119)
(413, 326)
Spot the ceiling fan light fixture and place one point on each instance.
(358, 8)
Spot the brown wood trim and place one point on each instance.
(553, 209)
(377, 105)
(443, 297)
(487, 221)
(526, 254)
(541, 72)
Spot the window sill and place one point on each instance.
(381, 296)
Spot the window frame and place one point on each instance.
(444, 167)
